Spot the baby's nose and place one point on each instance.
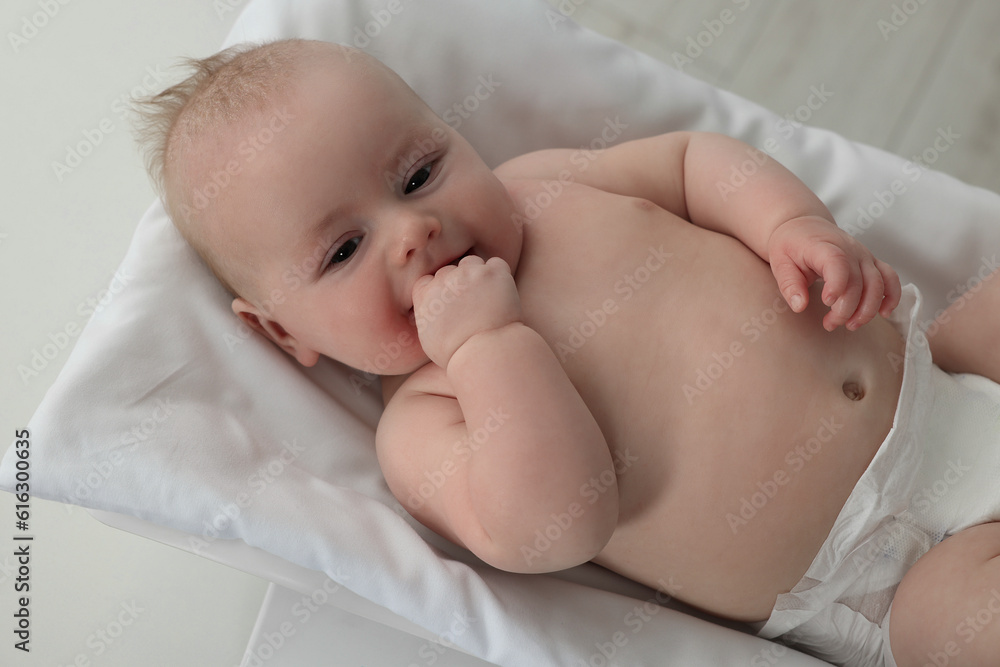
(416, 233)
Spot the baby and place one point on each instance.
(596, 357)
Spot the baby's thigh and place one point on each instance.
(947, 608)
(964, 338)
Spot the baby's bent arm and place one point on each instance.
(727, 186)
(690, 174)
(725, 195)
(504, 461)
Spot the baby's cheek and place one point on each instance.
(395, 352)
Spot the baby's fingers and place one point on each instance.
(420, 285)
(871, 296)
(893, 290)
(843, 285)
(793, 285)
(880, 295)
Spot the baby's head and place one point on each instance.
(319, 187)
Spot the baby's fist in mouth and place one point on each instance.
(458, 302)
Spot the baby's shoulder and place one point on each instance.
(548, 164)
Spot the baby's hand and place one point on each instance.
(461, 301)
(857, 285)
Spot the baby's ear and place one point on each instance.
(273, 331)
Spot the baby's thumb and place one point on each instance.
(419, 285)
(791, 283)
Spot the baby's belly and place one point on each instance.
(729, 489)
(740, 428)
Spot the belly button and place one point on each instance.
(853, 390)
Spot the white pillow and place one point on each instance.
(170, 410)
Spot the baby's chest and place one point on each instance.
(598, 279)
(599, 269)
(634, 301)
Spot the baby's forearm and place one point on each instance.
(529, 471)
(733, 188)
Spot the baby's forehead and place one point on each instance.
(352, 72)
(326, 88)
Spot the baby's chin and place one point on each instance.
(393, 358)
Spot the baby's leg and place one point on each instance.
(968, 332)
(947, 608)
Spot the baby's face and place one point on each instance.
(363, 191)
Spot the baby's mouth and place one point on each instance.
(467, 253)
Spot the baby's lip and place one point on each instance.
(455, 261)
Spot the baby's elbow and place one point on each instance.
(559, 541)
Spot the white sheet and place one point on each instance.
(169, 410)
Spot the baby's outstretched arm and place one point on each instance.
(507, 458)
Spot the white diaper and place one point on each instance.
(937, 472)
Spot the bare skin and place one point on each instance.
(599, 363)
(685, 465)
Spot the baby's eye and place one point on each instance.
(346, 249)
(419, 178)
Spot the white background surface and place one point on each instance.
(62, 236)
(60, 243)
